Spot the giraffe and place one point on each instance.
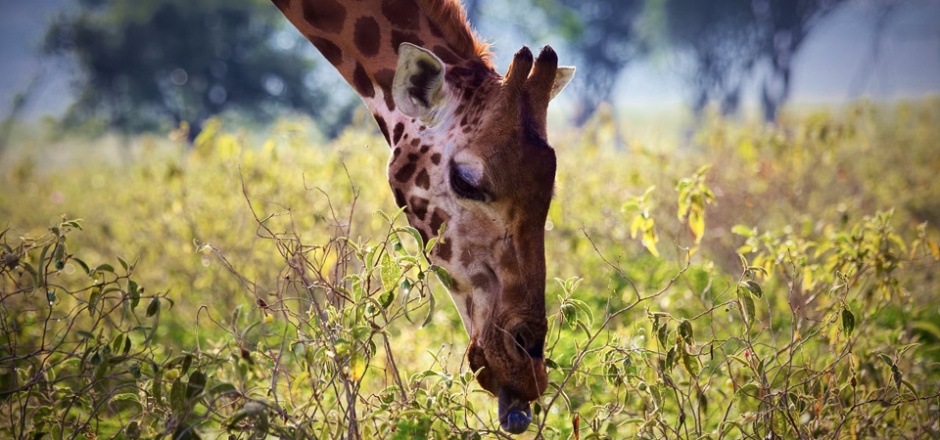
(469, 153)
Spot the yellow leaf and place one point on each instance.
(649, 240)
(357, 367)
(935, 250)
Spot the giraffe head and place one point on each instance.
(477, 168)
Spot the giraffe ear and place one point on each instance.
(418, 84)
(563, 76)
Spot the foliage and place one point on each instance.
(150, 65)
(256, 295)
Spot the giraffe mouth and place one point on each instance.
(515, 414)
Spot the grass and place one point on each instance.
(748, 282)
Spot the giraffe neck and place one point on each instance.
(361, 38)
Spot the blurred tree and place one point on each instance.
(784, 26)
(144, 63)
(729, 38)
(721, 39)
(604, 34)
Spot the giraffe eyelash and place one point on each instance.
(463, 188)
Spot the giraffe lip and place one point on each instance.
(515, 414)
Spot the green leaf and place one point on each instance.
(386, 298)
(123, 263)
(887, 360)
(690, 363)
(197, 383)
(414, 233)
(187, 361)
(848, 321)
(747, 306)
(156, 387)
(178, 397)
(133, 292)
(103, 268)
(389, 271)
(153, 307)
(742, 230)
(442, 275)
(662, 333)
(126, 397)
(753, 287)
(223, 388)
(685, 331)
(82, 264)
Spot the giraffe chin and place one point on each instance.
(515, 414)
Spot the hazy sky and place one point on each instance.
(836, 64)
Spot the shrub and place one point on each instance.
(752, 298)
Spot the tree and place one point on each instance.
(784, 27)
(146, 63)
(605, 35)
(727, 39)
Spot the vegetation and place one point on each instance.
(250, 288)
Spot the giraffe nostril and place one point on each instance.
(521, 343)
(526, 345)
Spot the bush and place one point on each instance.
(752, 298)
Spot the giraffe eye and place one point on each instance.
(461, 181)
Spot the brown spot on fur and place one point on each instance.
(446, 55)
(362, 83)
(404, 173)
(425, 148)
(330, 51)
(384, 79)
(480, 281)
(437, 219)
(399, 37)
(400, 198)
(383, 128)
(413, 157)
(396, 135)
(436, 158)
(418, 206)
(415, 142)
(367, 36)
(444, 250)
(423, 180)
(402, 13)
(466, 257)
(436, 31)
(328, 15)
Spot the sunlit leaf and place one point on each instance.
(357, 366)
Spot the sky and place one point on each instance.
(837, 64)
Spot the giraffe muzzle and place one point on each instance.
(515, 414)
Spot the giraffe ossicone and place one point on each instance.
(469, 153)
